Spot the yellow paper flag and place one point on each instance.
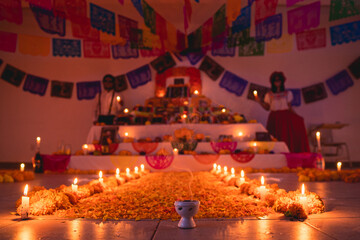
(34, 45)
(281, 45)
(233, 8)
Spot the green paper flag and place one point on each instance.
(219, 24)
(342, 9)
(149, 17)
(253, 48)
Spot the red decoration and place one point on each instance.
(206, 158)
(242, 157)
(146, 147)
(159, 162)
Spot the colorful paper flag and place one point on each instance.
(66, 47)
(36, 85)
(8, 41)
(342, 9)
(340, 82)
(281, 45)
(96, 49)
(233, 83)
(311, 39)
(48, 22)
(269, 28)
(34, 45)
(102, 19)
(12, 75)
(303, 18)
(345, 33)
(88, 90)
(11, 11)
(264, 9)
(139, 76)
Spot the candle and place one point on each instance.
(225, 170)
(196, 92)
(38, 140)
(126, 110)
(22, 167)
(232, 172)
(142, 167)
(136, 170)
(214, 167)
(254, 147)
(318, 141)
(303, 199)
(242, 177)
(218, 169)
(262, 188)
(175, 151)
(223, 110)
(74, 186)
(126, 134)
(255, 93)
(118, 99)
(85, 149)
(127, 171)
(101, 180)
(338, 165)
(117, 173)
(25, 204)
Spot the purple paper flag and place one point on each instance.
(296, 96)
(139, 76)
(137, 4)
(242, 21)
(88, 90)
(35, 85)
(125, 51)
(223, 50)
(340, 82)
(194, 57)
(233, 83)
(48, 22)
(303, 18)
(270, 28)
(102, 19)
(125, 26)
(13, 75)
(66, 47)
(345, 33)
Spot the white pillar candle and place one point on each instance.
(338, 165)
(232, 172)
(128, 172)
(175, 151)
(74, 186)
(85, 149)
(101, 180)
(25, 204)
(242, 177)
(214, 167)
(38, 140)
(142, 167)
(218, 169)
(117, 173)
(136, 170)
(303, 199)
(22, 167)
(318, 141)
(262, 188)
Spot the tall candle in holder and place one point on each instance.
(22, 167)
(117, 173)
(242, 177)
(318, 141)
(85, 149)
(38, 140)
(101, 180)
(303, 198)
(25, 204)
(74, 186)
(338, 165)
(262, 188)
(142, 167)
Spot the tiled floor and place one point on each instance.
(340, 221)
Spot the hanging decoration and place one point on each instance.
(342, 9)
(194, 57)
(73, 10)
(33, 45)
(233, 8)
(12, 75)
(269, 28)
(223, 49)
(219, 22)
(102, 19)
(187, 10)
(87, 90)
(61, 89)
(233, 83)
(44, 4)
(311, 39)
(314, 93)
(8, 41)
(35, 84)
(354, 68)
(82, 29)
(303, 18)
(195, 40)
(48, 22)
(159, 161)
(242, 157)
(340, 82)
(137, 4)
(126, 26)
(149, 17)
(211, 68)
(66, 47)
(264, 9)
(163, 63)
(11, 11)
(124, 52)
(281, 45)
(345, 33)
(206, 34)
(296, 96)
(96, 49)
(120, 83)
(289, 3)
(243, 21)
(252, 48)
(139, 76)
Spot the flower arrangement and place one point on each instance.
(9, 176)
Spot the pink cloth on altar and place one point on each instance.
(217, 146)
(304, 160)
(56, 163)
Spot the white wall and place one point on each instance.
(24, 116)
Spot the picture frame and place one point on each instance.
(108, 135)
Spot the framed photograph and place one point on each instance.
(108, 135)
(262, 136)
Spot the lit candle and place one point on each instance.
(85, 149)
(25, 204)
(196, 92)
(303, 199)
(74, 186)
(338, 165)
(136, 170)
(142, 167)
(225, 170)
(101, 180)
(126, 110)
(175, 151)
(318, 141)
(22, 167)
(255, 93)
(218, 169)
(262, 188)
(118, 99)
(242, 177)
(254, 147)
(128, 171)
(241, 134)
(223, 110)
(214, 167)
(126, 134)
(117, 173)
(232, 172)
(38, 140)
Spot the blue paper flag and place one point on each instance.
(47, 21)
(139, 76)
(194, 57)
(66, 47)
(345, 33)
(35, 85)
(270, 28)
(137, 4)
(242, 21)
(125, 51)
(223, 50)
(87, 90)
(102, 19)
(340, 82)
(296, 96)
(233, 83)
(250, 2)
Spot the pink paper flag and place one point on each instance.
(207, 32)
(289, 3)
(303, 18)
(96, 49)
(8, 41)
(45, 4)
(11, 11)
(83, 29)
(311, 39)
(264, 9)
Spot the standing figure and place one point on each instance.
(283, 123)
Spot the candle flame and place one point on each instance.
(126, 110)
(184, 116)
(26, 190)
(100, 174)
(75, 181)
(232, 171)
(242, 173)
(219, 168)
(127, 170)
(176, 151)
(86, 146)
(118, 98)
(339, 164)
(225, 169)
(38, 139)
(240, 134)
(262, 180)
(215, 165)
(186, 102)
(126, 134)
(255, 93)
(223, 110)
(142, 167)
(23, 165)
(254, 144)
(117, 171)
(196, 92)
(303, 189)
(136, 169)
(318, 134)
